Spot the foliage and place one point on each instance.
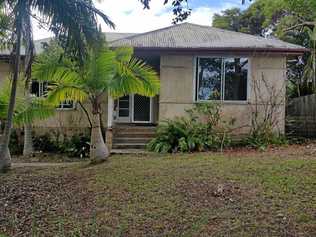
(5, 24)
(265, 112)
(201, 130)
(76, 146)
(63, 18)
(44, 143)
(16, 145)
(105, 70)
(27, 110)
(291, 21)
(248, 21)
(261, 139)
(180, 8)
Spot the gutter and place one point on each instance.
(298, 51)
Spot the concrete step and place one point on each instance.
(131, 140)
(132, 135)
(134, 130)
(129, 145)
(130, 151)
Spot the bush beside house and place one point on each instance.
(205, 130)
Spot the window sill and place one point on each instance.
(65, 109)
(227, 102)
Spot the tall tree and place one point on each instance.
(249, 21)
(104, 72)
(73, 22)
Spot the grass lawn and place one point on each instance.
(240, 193)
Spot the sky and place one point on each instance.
(130, 17)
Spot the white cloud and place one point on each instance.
(129, 16)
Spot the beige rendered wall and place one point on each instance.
(177, 89)
(4, 71)
(70, 121)
(65, 121)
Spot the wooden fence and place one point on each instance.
(301, 117)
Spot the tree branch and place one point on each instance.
(86, 112)
(306, 23)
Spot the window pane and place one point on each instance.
(209, 79)
(39, 89)
(44, 89)
(124, 104)
(66, 105)
(35, 88)
(124, 112)
(236, 71)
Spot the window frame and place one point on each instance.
(60, 107)
(221, 100)
(41, 93)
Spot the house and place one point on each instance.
(195, 64)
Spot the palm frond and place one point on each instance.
(99, 69)
(73, 22)
(38, 109)
(27, 110)
(51, 66)
(63, 92)
(134, 77)
(124, 54)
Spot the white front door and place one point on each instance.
(134, 109)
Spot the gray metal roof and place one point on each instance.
(187, 36)
(192, 36)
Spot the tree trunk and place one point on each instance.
(98, 150)
(5, 161)
(28, 149)
(5, 158)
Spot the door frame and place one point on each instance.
(123, 119)
(130, 118)
(150, 110)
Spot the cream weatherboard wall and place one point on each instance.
(177, 75)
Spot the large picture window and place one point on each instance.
(221, 79)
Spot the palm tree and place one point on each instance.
(104, 71)
(27, 109)
(73, 22)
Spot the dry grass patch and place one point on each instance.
(247, 194)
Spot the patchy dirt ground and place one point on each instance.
(238, 193)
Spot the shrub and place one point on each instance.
(261, 138)
(16, 143)
(76, 146)
(201, 130)
(45, 143)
